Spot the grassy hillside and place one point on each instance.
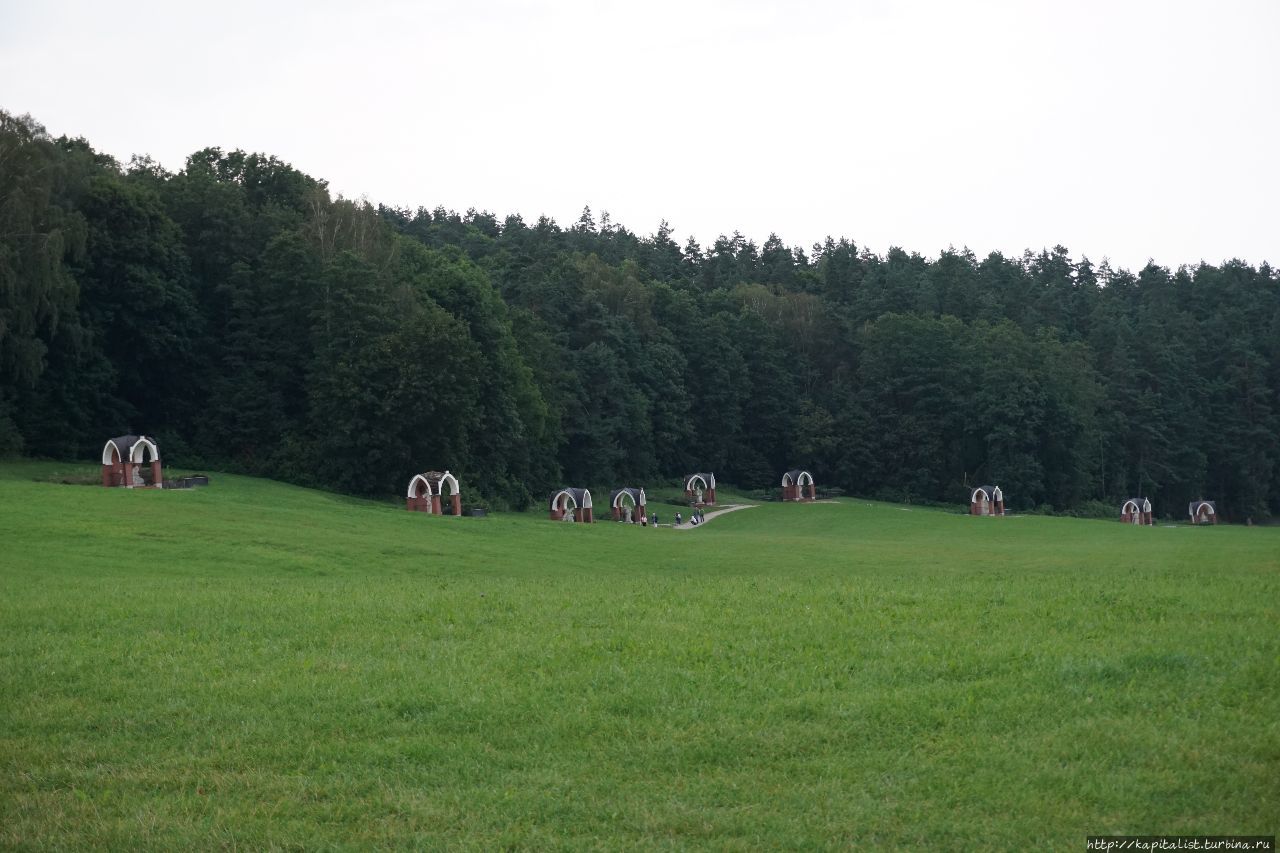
(256, 664)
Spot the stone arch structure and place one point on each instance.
(797, 485)
(986, 500)
(427, 490)
(448, 485)
(700, 489)
(571, 505)
(628, 504)
(1203, 512)
(123, 458)
(1136, 511)
(419, 497)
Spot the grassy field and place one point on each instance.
(256, 665)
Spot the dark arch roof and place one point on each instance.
(794, 475)
(125, 443)
(707, 477)
(1194, 507)
(581, 497)
(437, 480)
(1138, 502)
(637, 495)
(989, 490)
(434, 481)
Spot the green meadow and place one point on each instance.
(257, 665)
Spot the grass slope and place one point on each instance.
(260, 665)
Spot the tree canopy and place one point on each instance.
(253, 322)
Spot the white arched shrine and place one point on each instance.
(797, 485)
(628, 504)
(124, 458)
(427, 490)
(571, 505)
(986, 500)
(700, 488)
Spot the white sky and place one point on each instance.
(1132, 130)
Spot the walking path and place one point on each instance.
(710, 515)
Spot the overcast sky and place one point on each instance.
(1121, 130)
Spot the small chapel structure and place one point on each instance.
(797, 485)
(700, 489)
(1136, 511)
(571, 505)
(1203, 512)
(628, 504)
(986, 500)
(426, 491)
(131, 461)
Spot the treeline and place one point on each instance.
(251, 322)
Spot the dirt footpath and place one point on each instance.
(706, 517)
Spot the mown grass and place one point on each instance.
(256, 665)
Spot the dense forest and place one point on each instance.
(252, 322)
